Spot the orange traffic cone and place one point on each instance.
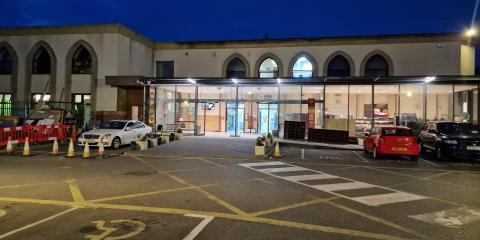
(86, 150)
(55, 148)
(9, 149)
(277, 150)
(101, 149)
(26, 148)
(71, 149)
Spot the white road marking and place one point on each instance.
(388, 198)
(309, 177)
(342, 186)
(284, 169)
(454, 218)
(258, 164)
(432, 163)
(373, 200)
(36, 223)
(199, 227)
(303, 153)
(360, 156)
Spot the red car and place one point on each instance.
(392, 141)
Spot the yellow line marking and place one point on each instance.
(292, 206)
(2, 213)
(213, 163)
(438, 175)
(149, 193)
(420, 178)
(75, 190)
(26, 185)
(222, 202)
(247, 218)
(36, 223)
(377, 219)
(263, 180)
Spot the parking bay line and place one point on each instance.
(361, 157)
(246, 218)
(206, 220)
(36, 223)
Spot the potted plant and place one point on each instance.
(179, 134)
(165, 138)
(361, 138)
(143, 143)
(269, 139)
(264, 140)
(260, 147)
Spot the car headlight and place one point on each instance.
(106, 137)
(451, 142)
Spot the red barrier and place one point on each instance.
(35, 134)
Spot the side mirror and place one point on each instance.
(128, 129)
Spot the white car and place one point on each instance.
(115, 133)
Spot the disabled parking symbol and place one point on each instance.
(137, 227)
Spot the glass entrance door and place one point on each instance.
(231, 115)
(267, 118)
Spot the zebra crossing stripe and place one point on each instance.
(318, 176)
(372, 200)
(274, 163)
(388, 198)
(283, 169)
(342, 186)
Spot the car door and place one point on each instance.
(129, 135)
(139, 129)
(429, 139)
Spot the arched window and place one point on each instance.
(376, 66)
(41, 62)
(302, 68)
(5, 62)
(268, 69)
(338, 67)
(82, 61)
(236, 69)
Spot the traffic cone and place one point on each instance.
(26, 148)
(277, 150)
(86, 150)
(55, 147)
(9, 149)
(71, 150)
(101, 149)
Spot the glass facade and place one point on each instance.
(244, 109)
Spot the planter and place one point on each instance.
(264, 143)
(360, 141)
(153, 142)
(178, 136)
(259, 150)
(269, 142)
(165, 139)
(143, 145)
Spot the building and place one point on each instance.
(354, 82)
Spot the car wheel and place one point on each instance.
(422, 148)
(375, 154)
(116, 143)
(414, 158)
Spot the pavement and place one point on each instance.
(206, 188)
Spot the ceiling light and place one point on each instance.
(429, 79)
(278, 81)
(234, 80)
(192, 80)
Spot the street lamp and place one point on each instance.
(471, 32)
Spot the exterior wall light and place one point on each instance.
(278, 81)
(234, 80)
(192, 80)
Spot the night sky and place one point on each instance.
(194, 20)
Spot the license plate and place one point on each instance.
(90, 140)
(473, 148)
(400, 149)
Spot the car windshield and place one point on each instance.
(112, 125)
(455, 128)
(397, 132)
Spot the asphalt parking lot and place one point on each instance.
(201, 188)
